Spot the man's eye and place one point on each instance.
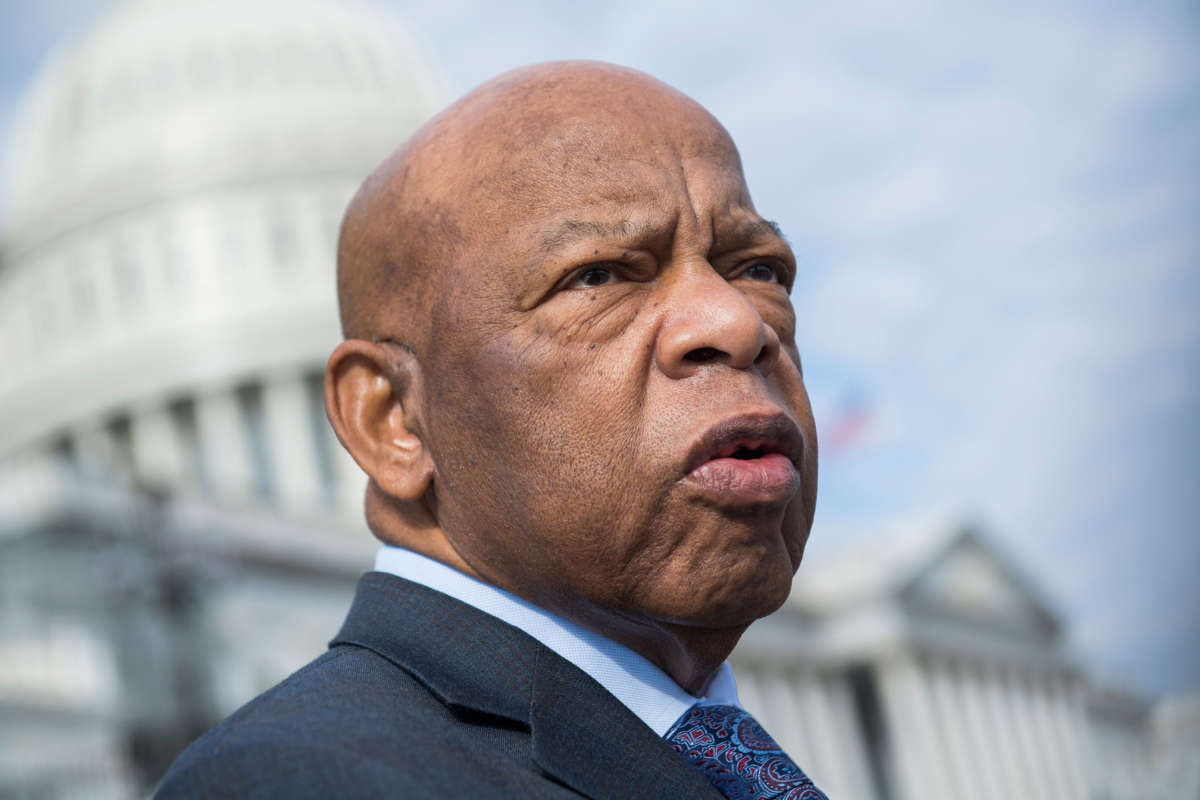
(762, 272)
(593, 276)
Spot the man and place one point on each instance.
(570, 373)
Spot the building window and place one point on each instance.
(127, 275)
(44, 311)
(83, 296)
(233, 239)
(172, 256)
(285, 250)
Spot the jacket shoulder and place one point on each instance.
(349, 724)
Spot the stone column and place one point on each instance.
(918, 747)
(1067, 712)
(289, 433)
(1013, 771)
(158, 458)
(821, 713)
(225, 450)
(805, 690)
(748, 696)
(950, 744)
(1038, 781)
(959, 734)
(788, 725)
(988, 732)
(1047, 734)
(854, 769)
(94, 451)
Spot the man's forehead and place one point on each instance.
(598, 162)
(557, 121)
(503, 167)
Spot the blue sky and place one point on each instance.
(995, 210)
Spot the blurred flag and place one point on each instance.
(849, 423)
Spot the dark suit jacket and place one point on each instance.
(421, 695)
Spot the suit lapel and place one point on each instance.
(468, 659)
(585, 738)
(582, 736)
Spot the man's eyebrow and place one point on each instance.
(572, 231)
(754, 228)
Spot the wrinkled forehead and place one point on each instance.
(662, 133)
(622, 160)
(510, 167)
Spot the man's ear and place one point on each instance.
(372, 392)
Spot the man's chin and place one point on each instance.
(731, 606)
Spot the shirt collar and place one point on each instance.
(643, 688)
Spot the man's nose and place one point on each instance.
(708, 321)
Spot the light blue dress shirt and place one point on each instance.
(645, 689)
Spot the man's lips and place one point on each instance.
(748, 460)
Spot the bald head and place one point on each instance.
(514, 144)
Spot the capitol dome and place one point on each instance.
(161, 95)
(177, 175)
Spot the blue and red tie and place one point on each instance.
(738, 756)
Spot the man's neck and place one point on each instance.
(643, 686)
(690, 655)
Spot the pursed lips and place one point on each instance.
(748, 460)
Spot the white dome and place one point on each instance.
(162, 94)
(177, 177)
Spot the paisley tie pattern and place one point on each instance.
(738, 756)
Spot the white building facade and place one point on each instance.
(179, 529)
(949, 672)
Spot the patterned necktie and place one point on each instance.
(738, 756)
